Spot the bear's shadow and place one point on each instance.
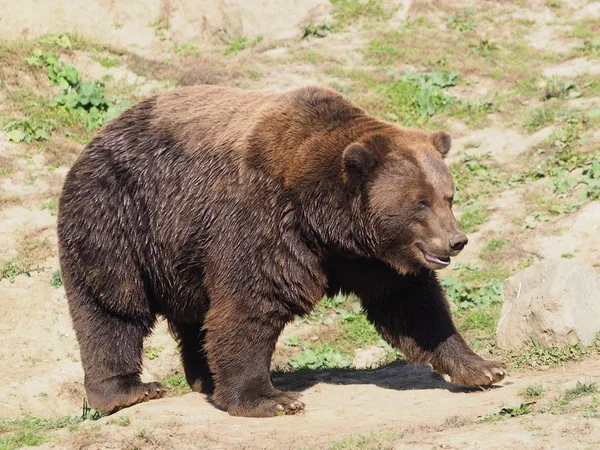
(398, 375)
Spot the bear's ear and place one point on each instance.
(357, 162)
(442, 142)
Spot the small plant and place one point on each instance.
(84, 100)
(538, 356)
(30, 431)
(177, 384)
(27, 130)
(579, 390)
(122, 421)
(242, 43)
(462, 21)
(484, 47)
(347, 11)
(312, 30)
(532, 391)
(320, 357)
(186, 50)
(507, 411)
(56, 280)
(556, 87)
(153, 352)
(106, 62)
(468, 296)
(591, 410)
(538, 118)
(470, 220)
(495, 244)
(51, 206)
(292, 341)
(88, 413)
(589, 45)
(12, 269)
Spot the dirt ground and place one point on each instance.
(394, 406)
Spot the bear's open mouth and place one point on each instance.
(439, 260)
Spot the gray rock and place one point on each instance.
(553, 303)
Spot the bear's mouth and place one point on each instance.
(442, 261)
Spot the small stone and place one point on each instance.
(368, 357)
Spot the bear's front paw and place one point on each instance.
(477, 372)
(281, 404)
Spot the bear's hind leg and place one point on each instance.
(191, 343)
(239, 345)
(111, 354)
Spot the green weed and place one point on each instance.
(51, 206)
(532, 391)
(466, 296)
(312, 30)
(56, 280)
(106, 62)
(186, 49)
(579, 390)
(122, 421)
(374, 440)
(320, 357)
(30, 431)
(382, 52)
(463, 21)
(84, 100)
(153, 352)
(506, 412)
(538, 356)
(347, 11)
(27, 130)
(177, 384)
(242, 43)
(555, 87)
(539, 118)
(471, 218)
(12, 269)
(495, 244)
(589, 45)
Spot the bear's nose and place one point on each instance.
(458, 242)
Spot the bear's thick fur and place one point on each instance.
(229, 212)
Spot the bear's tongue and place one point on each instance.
(435, 260)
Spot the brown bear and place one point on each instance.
(229, 213)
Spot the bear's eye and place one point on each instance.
(423, 204)
(451, 200)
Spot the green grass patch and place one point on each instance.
(177, 384)
(495, 244)
(538, 356)
(505, 413)
(322, 356)
(153, 352)
(107, 63)
(374, 440)
(382, 52)
(474, 216)
(580, 390)
(532, 391)
(51, 206)
(348, 11)
(30, 431)
(539, 118)
(56, 280)
(242, 43)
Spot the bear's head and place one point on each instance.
(407, 193)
